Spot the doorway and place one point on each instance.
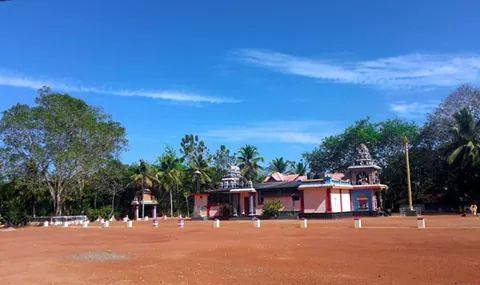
(246, 205)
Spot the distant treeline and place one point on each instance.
(60, 156)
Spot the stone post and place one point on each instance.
(357, 222)
(251, 205)
(154, 212)
(135, 212)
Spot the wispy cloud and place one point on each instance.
(410, 70)
(413, 110)
(178, 96)
(297, 132)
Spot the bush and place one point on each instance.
(225, 211)
(16, 217)
(272, 208)
(103, 212)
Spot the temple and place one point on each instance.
(144, 198)
(355, 192)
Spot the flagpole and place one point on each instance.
(409, 183)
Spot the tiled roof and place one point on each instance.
(279, 177)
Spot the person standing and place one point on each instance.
(473, 209)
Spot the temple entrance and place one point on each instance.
(246, 205)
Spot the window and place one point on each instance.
(260, 197)
(218, 198)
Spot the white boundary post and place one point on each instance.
(257, 223)
(155, 223)
(216, 223)
(304, 223)
(357, 222)
(420, 222)
(106, 224)
(181, 223)
(129, 224)
(45, 224)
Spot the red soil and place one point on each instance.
(387, 251)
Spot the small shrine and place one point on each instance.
(144, 198)
(364, 171)
(232, 190)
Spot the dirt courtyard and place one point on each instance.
(386, 251)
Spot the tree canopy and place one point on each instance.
(61, 139)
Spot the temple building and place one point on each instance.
(144, 198)
(358, 191)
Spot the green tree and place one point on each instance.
(278, 164)
(169, 174)
(144, 176)
(112, 180)
(249, 162)
(464, 157)
(384, 139)
(300, 168)
(197, 160)
(465, 140)
(65, 139)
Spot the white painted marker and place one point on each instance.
(420, 222)
(357, 222)
(304, 224)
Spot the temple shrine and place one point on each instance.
(355, 192)
(144, 198)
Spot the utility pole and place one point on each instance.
(409, 183)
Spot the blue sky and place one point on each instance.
(275, 74)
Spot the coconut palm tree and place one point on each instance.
(143, 176)
(248, 161)
(466, 140)
(199, 170)
(169, 174)
(278, 165)
(300, 168)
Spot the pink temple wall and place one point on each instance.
(287, 202)
(314, 200)
(243, 195)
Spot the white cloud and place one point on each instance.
(297, 132)
(413, 110)
(178, 96)
(411, 70)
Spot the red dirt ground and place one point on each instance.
(386, 251)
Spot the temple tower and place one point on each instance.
(364, 171)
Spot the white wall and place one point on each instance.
(335, 200)
(346, 207)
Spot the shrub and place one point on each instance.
(103, 212)
(272, 208)
(225, 211)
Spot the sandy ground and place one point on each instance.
(386, 251)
